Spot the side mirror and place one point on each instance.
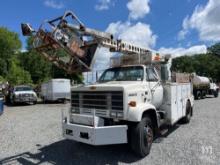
(27, 30)
(167, 57)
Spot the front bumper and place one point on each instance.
(95, 135)
(25, 99)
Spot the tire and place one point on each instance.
(142, 136)
(63, 101)
(216, 93)
(44, 100)
(12, 102)
(195, 95)
(188, 115)
(203, 95)
(198, 95)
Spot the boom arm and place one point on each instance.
(67, 43)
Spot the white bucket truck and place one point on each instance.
(129, 103)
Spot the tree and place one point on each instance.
(214, 49)
(182, 64)
(59, 73)
(17, 75)
(36, 65)
(202, 64)
(9, 46)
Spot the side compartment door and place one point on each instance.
(174, 105)
(179, 101)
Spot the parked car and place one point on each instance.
(23, 94)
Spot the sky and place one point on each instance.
(169, 26)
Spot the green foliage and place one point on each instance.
(203, 64)
(59, 73)
(9, 43)
(2, 79)
(214, 49)
(17, 75)
(36, 65)
(9, 46)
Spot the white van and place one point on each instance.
(56, 90)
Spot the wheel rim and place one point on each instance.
(148, 136)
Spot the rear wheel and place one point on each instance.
(216, 93)
(187, 118)
(203, 95)
(198, 95)
(142, 136)
(44, 100)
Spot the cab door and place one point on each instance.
(156, 89)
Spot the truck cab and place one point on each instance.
(128, 102)
(214, 89)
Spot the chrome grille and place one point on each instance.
(26, 95)
(98, 112)
(99, 101)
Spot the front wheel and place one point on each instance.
(142, 136)
(12, 102)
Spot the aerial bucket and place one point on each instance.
(65, 42)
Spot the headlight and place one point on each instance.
(120, 115)
(74, 110)
(16, 96)
(113, 114)
(117, 114)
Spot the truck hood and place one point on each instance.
(111, 85)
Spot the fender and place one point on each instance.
(135, 113)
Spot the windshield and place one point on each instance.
(131, 73)
(25, 88)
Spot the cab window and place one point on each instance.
(151, 74)
(130, 73)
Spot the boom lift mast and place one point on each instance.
(69, 44)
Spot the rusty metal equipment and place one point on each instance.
(67, 43)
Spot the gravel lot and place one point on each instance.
(32, 135)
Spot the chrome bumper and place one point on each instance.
(95, 135)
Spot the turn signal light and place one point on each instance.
(132, 104)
